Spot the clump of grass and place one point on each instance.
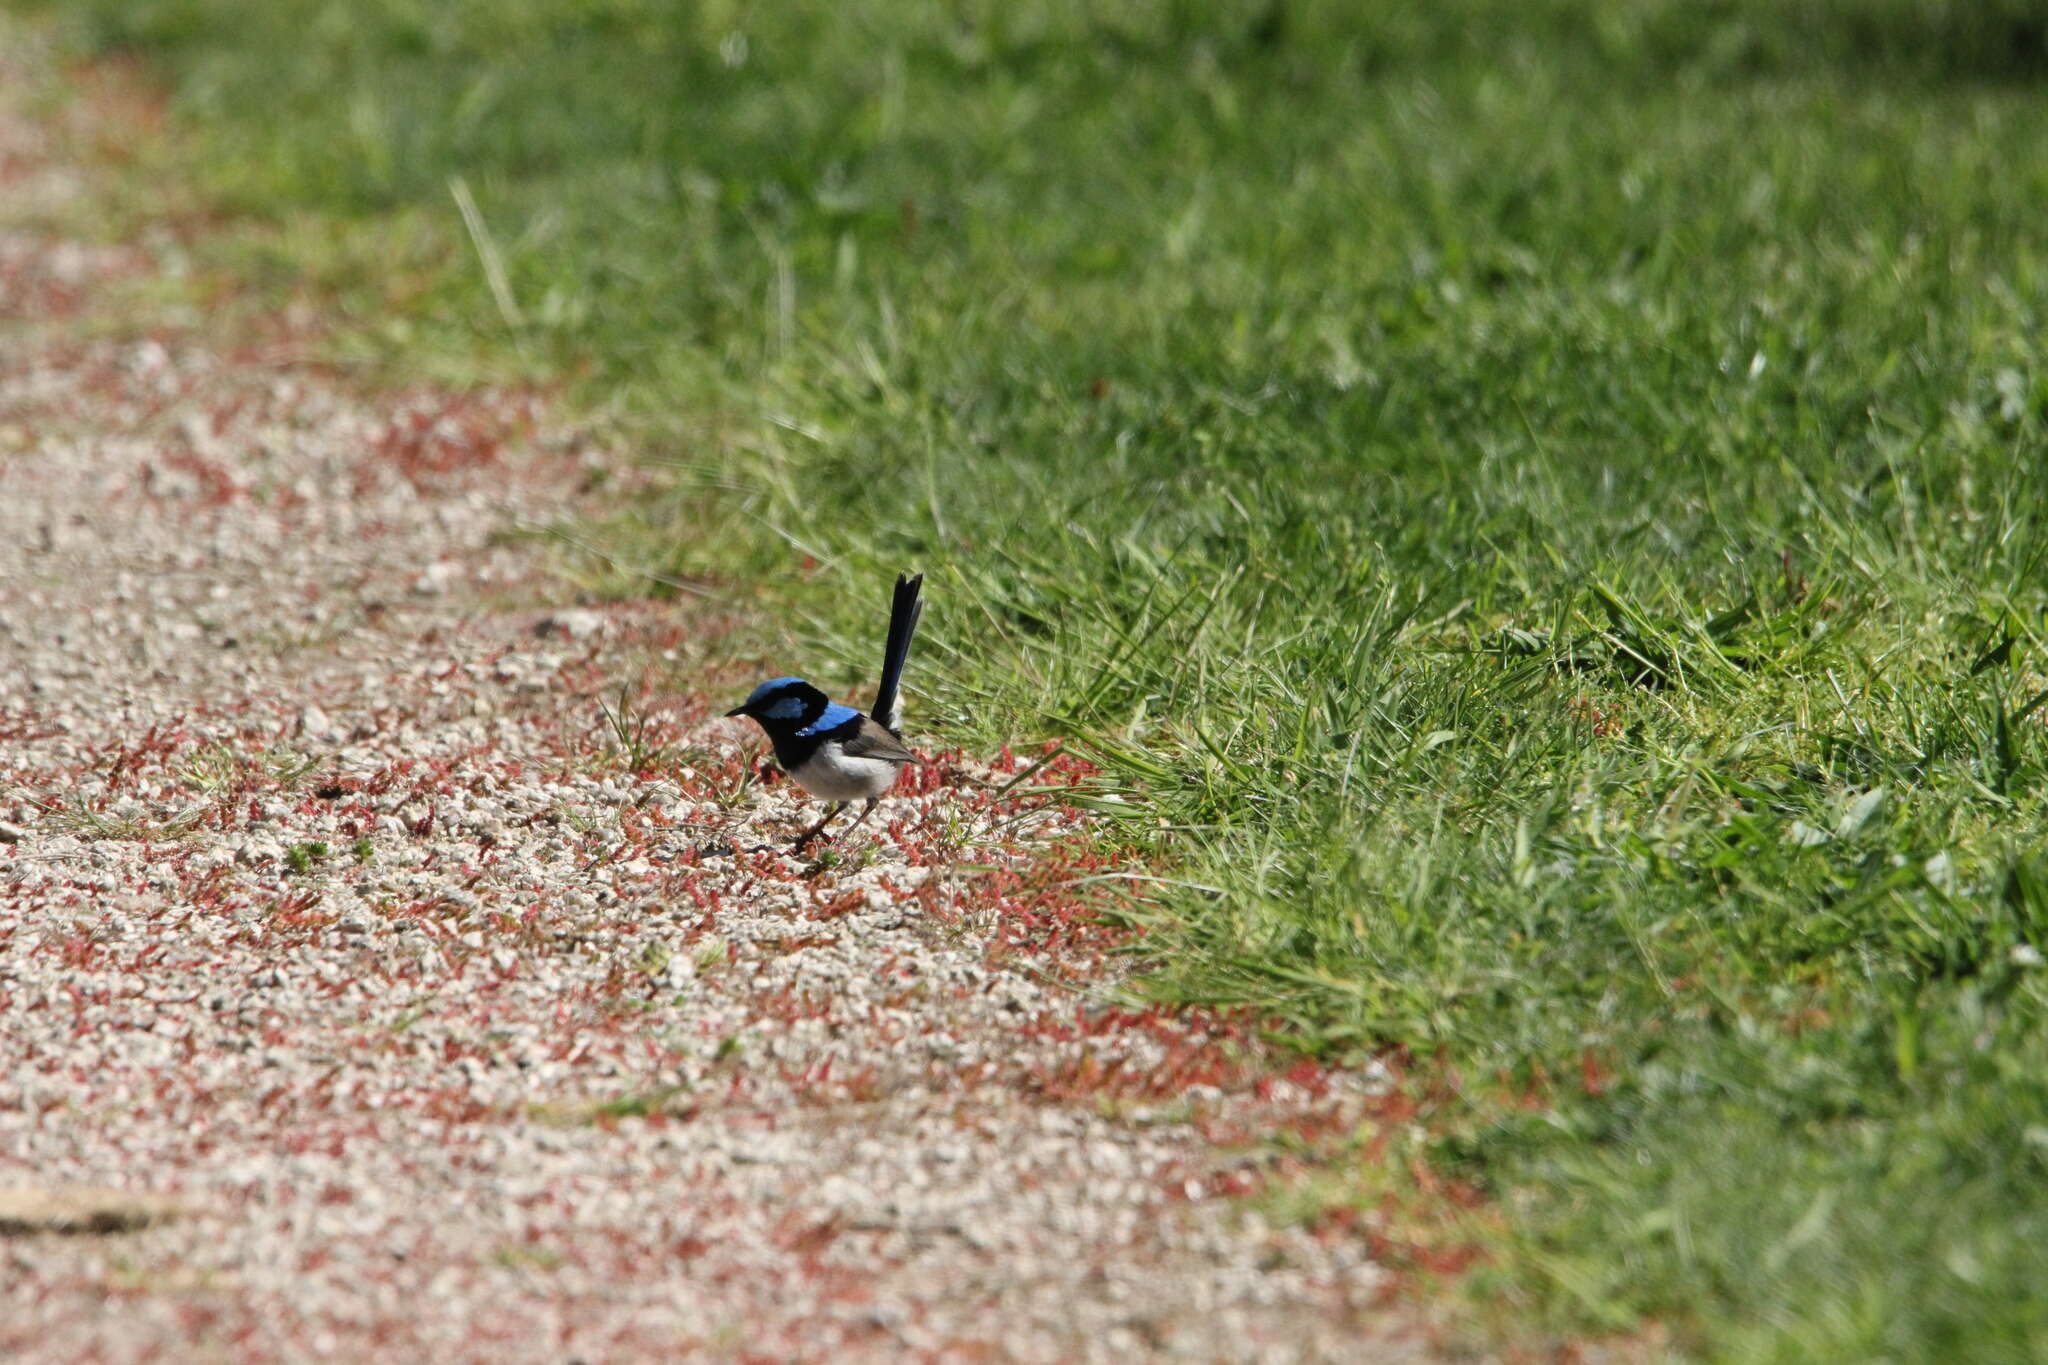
(141, 828)
(712, 954)
(653, 959)
(220, 769)
(527, 1256)
(635, 736)
(301, 859)
(636, 1104)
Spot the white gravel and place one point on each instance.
(333, 920)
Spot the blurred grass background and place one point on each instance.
(1535, 506)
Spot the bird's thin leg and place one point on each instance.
(816, 829)
(865, 812)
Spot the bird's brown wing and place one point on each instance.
(872, 741)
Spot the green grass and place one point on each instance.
(1501, 487)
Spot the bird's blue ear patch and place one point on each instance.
(769, 689)
(789, 708)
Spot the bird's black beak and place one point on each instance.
(737, 711)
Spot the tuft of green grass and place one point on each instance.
(527, 1256)
(633, 1104)
(301, 859)
(95, 825)
(635, 742)
(220, 769)
(1533, 506)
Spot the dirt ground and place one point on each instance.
(366, 992)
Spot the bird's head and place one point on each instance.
(783, 704)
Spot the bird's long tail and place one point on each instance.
(903, 613)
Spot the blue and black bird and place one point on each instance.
(834, 751)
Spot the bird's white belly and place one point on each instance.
(833, 775)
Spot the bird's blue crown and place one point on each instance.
(770, 688)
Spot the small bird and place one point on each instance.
(834, 751)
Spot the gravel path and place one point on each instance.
(363, 993)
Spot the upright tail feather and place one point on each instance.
(903, 613)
